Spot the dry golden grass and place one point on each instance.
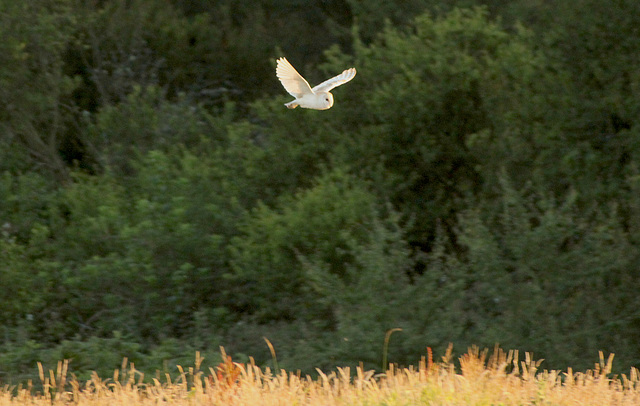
(498, 380)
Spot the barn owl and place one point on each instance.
(319, 97)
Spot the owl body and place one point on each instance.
(317, 98)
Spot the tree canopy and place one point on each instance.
(477, 183)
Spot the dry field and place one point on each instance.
(476, 379)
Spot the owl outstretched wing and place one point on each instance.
(335, 81)
(292, 81)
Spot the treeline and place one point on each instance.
(476, 183)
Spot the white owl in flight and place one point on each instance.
(318, 98)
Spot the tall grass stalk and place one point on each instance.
(273, 354)
(385, 346)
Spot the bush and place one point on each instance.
(541, 274)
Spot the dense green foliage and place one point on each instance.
(477, 183)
